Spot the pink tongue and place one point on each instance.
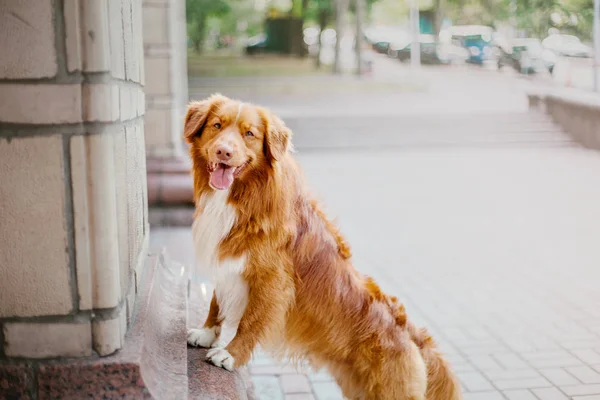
(221, 178)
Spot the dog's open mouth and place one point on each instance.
(222, 175)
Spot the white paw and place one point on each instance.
(204, 337)
(221, 358)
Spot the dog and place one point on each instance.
(283, 272)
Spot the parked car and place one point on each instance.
(477, 39)
(567, 46)
(526, 56)
(256, 44)
(431, 51)
(381, 47)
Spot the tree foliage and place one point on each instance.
(197, 14)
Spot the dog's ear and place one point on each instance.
(277, 139)
(197, 114)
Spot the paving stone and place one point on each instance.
(581, 389)
(294, 383)
(299, 396)
(321, 376)
(267, 388)
(549, 394)
(589, 356)
(272, 369)
(559, 376)
(522, 383)
(474, 381)
(489, 395)
(327, 391)
(519, 395)
(584, 374)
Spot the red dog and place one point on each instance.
(282, 271)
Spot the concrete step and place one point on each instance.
(361, 132)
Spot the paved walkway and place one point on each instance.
(487, 231)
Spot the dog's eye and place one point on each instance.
(249, 134)
(217, 125)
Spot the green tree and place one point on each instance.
(197, 13)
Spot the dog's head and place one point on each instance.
(231, 139)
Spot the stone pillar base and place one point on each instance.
(170, 182)
(151, 364)
(170, 191)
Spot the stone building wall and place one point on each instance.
(73, 214)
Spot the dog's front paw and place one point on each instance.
(204, 337)
(221, 358)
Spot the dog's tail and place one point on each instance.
(442, 384)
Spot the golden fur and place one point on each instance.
(306, 300)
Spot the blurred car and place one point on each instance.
(477, 39)
(381, 37)
(381, 47)
(526, 56)
(256, 44)
(567, 46)
(431, 51)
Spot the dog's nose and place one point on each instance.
(224, 152)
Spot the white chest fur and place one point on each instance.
(210, 227)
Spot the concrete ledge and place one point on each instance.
(151, 364)
(577, 112)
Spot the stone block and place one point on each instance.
(82, 225)
(16, 382)
(72, 17)
(27, 24)
(138, 40)
(158, 77)
(99, 104)
(131, 57)
(45, 340)
(98, 217)
(117, 46)
(141, 108)
(136, 193)
(122, 190)
(127, 109)
(97, 41)
(155, 25)
(116, 105)
(33, 232)
(108, 335)
(40, 104)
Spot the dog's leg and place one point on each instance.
(208, 336)
(269, 296)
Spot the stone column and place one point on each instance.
(165, 55)
(73, 215)
(166, 86)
